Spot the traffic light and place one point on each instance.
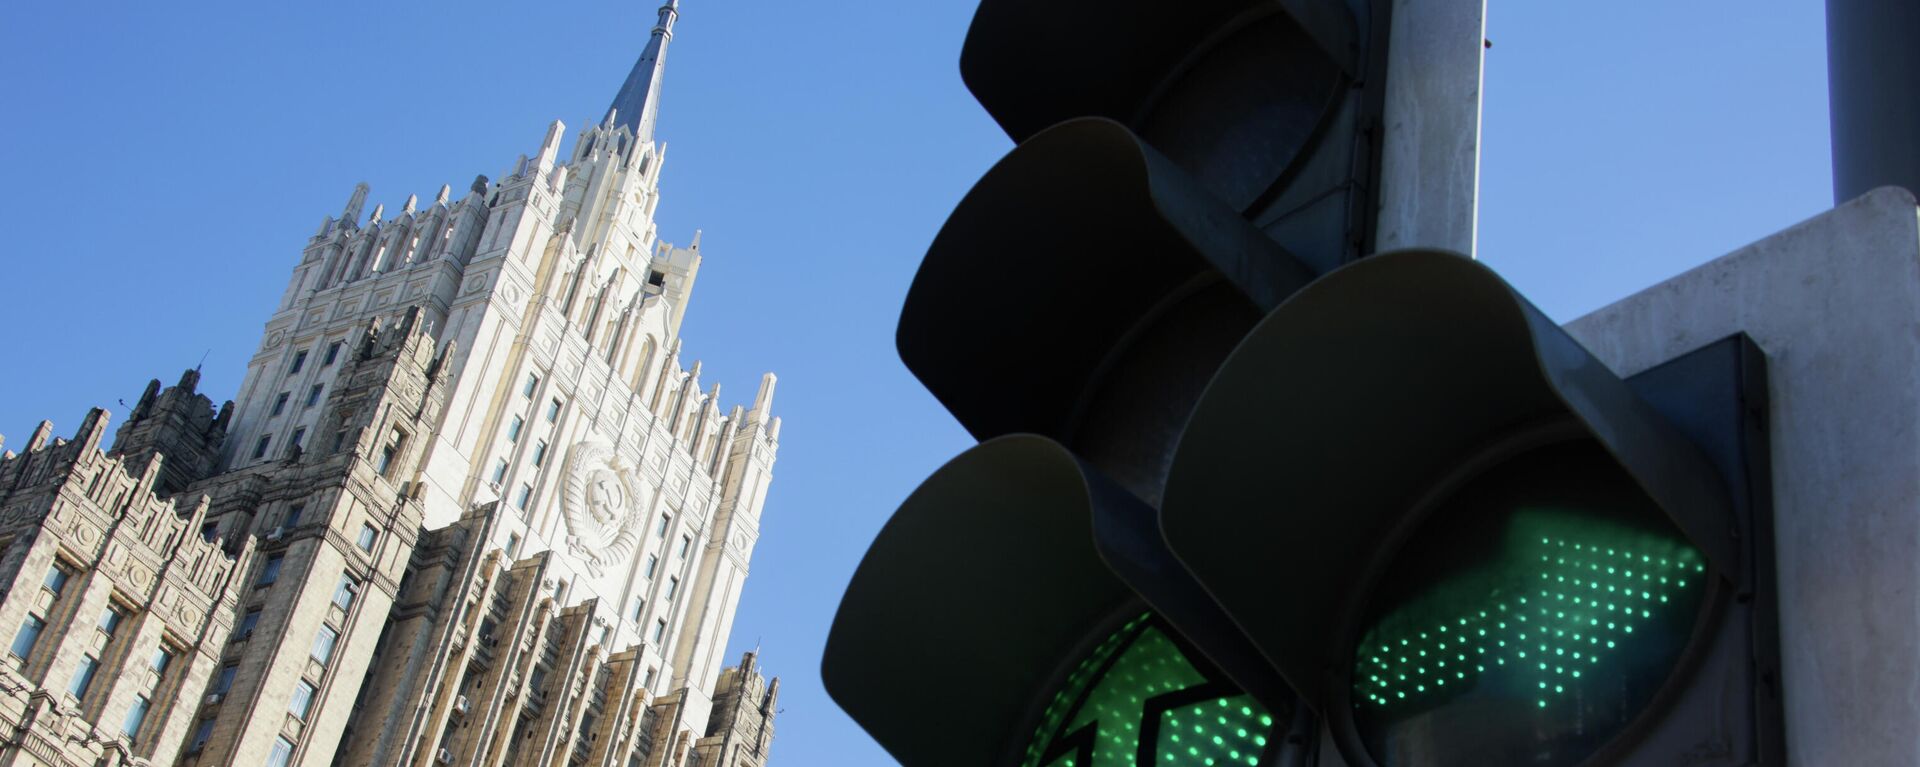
(1180, 172)
(1273, 106)
(1020, 609)
(1463, 540)
(1243, 497)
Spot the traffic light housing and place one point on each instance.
(1477, 545)
(1271, 105)
(1021, 609)
(1221, 453)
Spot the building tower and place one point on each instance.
(467, 508)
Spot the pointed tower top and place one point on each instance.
(638, 101)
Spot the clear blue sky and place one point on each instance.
(165, 163)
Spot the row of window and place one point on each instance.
(261, 445)
(28, 637)
(300, 357)
(280, 401)
(538, 455)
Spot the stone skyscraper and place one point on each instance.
(467, 508)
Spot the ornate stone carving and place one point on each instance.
(602, 502)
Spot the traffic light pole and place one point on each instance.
(1873, 86)
(1430, 159)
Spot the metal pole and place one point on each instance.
(1430, 158)
(1873, 85)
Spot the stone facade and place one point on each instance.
(466, 509)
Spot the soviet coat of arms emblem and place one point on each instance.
(603, 501)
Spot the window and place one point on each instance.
(639, 606)
(201, 735)
(323, 645)
(367, 535)
(651, 673)
(344, 593)
(83, 677)
(391, 451)
(533, 382)
(666, 521)
(513, 428)
(299, 436)
(270, 572)
(333, 353)
(659, 630)
(673, 587)
(260, 447)
(299, 361)
(653, 563)
(110, 619)
(281, 754)
(313, 394)
(24, 641)
(539, 453)
(247, 622)
(293, 515)
(136, 716)
(302, 702)
(224, 682)
(280, 404)
(162, 658)
(56, 581)
(686, 545)
(209, 531)
(500, 471)
(520, 499)
(513, 544)
(553, 411)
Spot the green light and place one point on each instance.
(1564, 537)
(1097, 717)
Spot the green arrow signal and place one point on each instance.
(1568, 593)
(1137, 699)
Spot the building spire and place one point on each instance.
(638, 101)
